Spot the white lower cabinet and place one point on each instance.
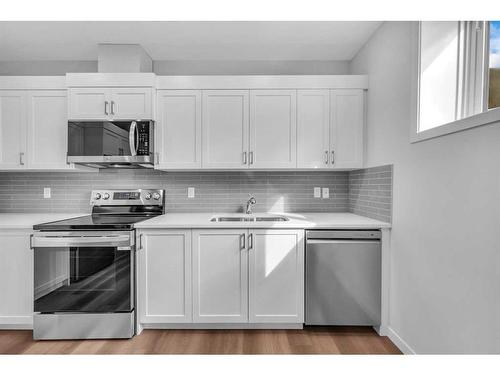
(220, 279)
(164, 282)
(276, 276)
(219, 276)
(16, 278)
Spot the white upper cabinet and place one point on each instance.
(273, 129)
(225, 129)
(276, 276)
(47, 130)
(260, 128)
(131, 103)
(313, 128)
(34, 130)
(220, 276)
(89, 103)
(178, 129)
(164, 284)
(102, 103)
(347, 127)
(12, 129)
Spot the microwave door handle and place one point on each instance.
(131, 138)
(136, 139)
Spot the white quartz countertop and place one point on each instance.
(26, 221)
(304, 220)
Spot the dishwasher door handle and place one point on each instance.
(332, 241)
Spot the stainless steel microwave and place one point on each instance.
(111, 144)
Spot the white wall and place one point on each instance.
(216, 67)
(445, 283)
(185, 67)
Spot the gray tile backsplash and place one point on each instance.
(370, 192)
(215, 191)
(366, 192)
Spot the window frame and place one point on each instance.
(473, 93)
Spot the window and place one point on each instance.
(494, 65)
(458, 76)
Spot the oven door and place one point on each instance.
(83, 272)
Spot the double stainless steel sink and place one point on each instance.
(248, 218)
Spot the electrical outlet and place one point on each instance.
(190, 192)
(317, 192)
(46, 192)
(326, 193)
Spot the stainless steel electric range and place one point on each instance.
(84, 268)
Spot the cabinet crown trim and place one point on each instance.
(250, 82)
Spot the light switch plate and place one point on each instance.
(326, 193)
(190, 192)
(317, 192)
(46, 192)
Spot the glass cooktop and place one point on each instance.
(94, 222)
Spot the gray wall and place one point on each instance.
(370, 192)
(444, 294)
(254, 67)
(45, 68)
(215, 191)
(183, 67)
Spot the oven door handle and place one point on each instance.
(132, 138)
(124, 242)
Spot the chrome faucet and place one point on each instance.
(250, 202)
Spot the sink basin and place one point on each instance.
(229, 218)
(248, 218)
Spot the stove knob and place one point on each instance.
(156, 196)
(106, 196)
(98, 196)
(148, 196)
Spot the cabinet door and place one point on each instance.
(220, 283)
(179, 129)
(131, 103)
(273, 129)
(313, 128)
(12, 129)
(346, 133)
(276, 279)
(47, 130)
(165, 277)
(89, 103)
(16, 278)
(225, 129)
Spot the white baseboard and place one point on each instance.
(399, 342)
(16, 322)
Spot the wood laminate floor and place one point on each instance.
(331, 340)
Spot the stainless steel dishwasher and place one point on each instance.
(343, 277)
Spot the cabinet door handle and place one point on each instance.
(106, 107)
(140, 242)
(112, 107)
(333, 157)
(242, 242)
(21, 158)
(250, 154)
(250, 241)
(326, 157)
(244, 157)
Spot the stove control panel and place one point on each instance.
(133, 197)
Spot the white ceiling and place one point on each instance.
(336, 40)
